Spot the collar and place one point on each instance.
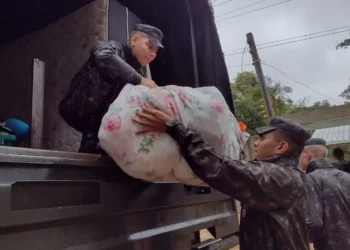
(341, 161)
(318, 164)
(129, 57)
(285, 161)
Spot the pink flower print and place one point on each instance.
(142, 104)
(183, 97)
(113, 123)
(120, 156)
(171, 104)
(159, 93)
(223, 141)
(132, 100)
(156, 135)
(217, 105)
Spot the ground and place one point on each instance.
(205, 235)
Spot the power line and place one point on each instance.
(244, 13)
(239, 8)
(291, 38)
(305, 85)
(243, 56)
(221, 3)
(311, 34)
(240, 65)
(305, 39)
(300, 40)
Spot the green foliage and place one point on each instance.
(249, 103)
(344, 44)
(346, 94)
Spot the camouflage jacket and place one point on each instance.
(329, 206)
(342, 165)
(273, 192)
(95, 86)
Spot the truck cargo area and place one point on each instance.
(53, 198)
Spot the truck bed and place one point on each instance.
(57, 200)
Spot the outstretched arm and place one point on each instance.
(105, 56)
(258, 184)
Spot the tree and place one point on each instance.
(303, 105)
(246, 92)
(250, 106)
(248, 99)
(346, 93)
(343, 45)
(320, 104)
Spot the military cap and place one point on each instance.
(315, 141)
(154, 35)
(292, 129)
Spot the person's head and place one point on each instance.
(338, 154)
(145, 41)
(281, 138)
(314, 149)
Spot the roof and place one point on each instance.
(335, 135)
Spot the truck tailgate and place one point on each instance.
(57, 200)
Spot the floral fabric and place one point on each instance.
(155, 156)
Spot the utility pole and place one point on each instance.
(260, 75)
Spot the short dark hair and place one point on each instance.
(294, 148)
(338, 153)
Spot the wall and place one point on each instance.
(321, 114)
(63, 46)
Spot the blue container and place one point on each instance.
(18, 127)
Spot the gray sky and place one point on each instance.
(314, 62)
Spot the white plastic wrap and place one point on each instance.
(156, 157)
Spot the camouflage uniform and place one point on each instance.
(329, 206)
(273, 191)
(342, 165)
(97, 84)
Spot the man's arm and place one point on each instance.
(259, 185)
(315, 209)
(110, 65)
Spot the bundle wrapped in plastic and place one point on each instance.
(155, 156)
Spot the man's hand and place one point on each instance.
(148, 83)
(152, 120)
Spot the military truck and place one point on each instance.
(53, 198)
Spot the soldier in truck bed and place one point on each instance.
(97, 84)
(272, 190)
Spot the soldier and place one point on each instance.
(271, 188)
(341, 163)
(97, 84)
(329, 198)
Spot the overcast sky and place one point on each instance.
(314, 62)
